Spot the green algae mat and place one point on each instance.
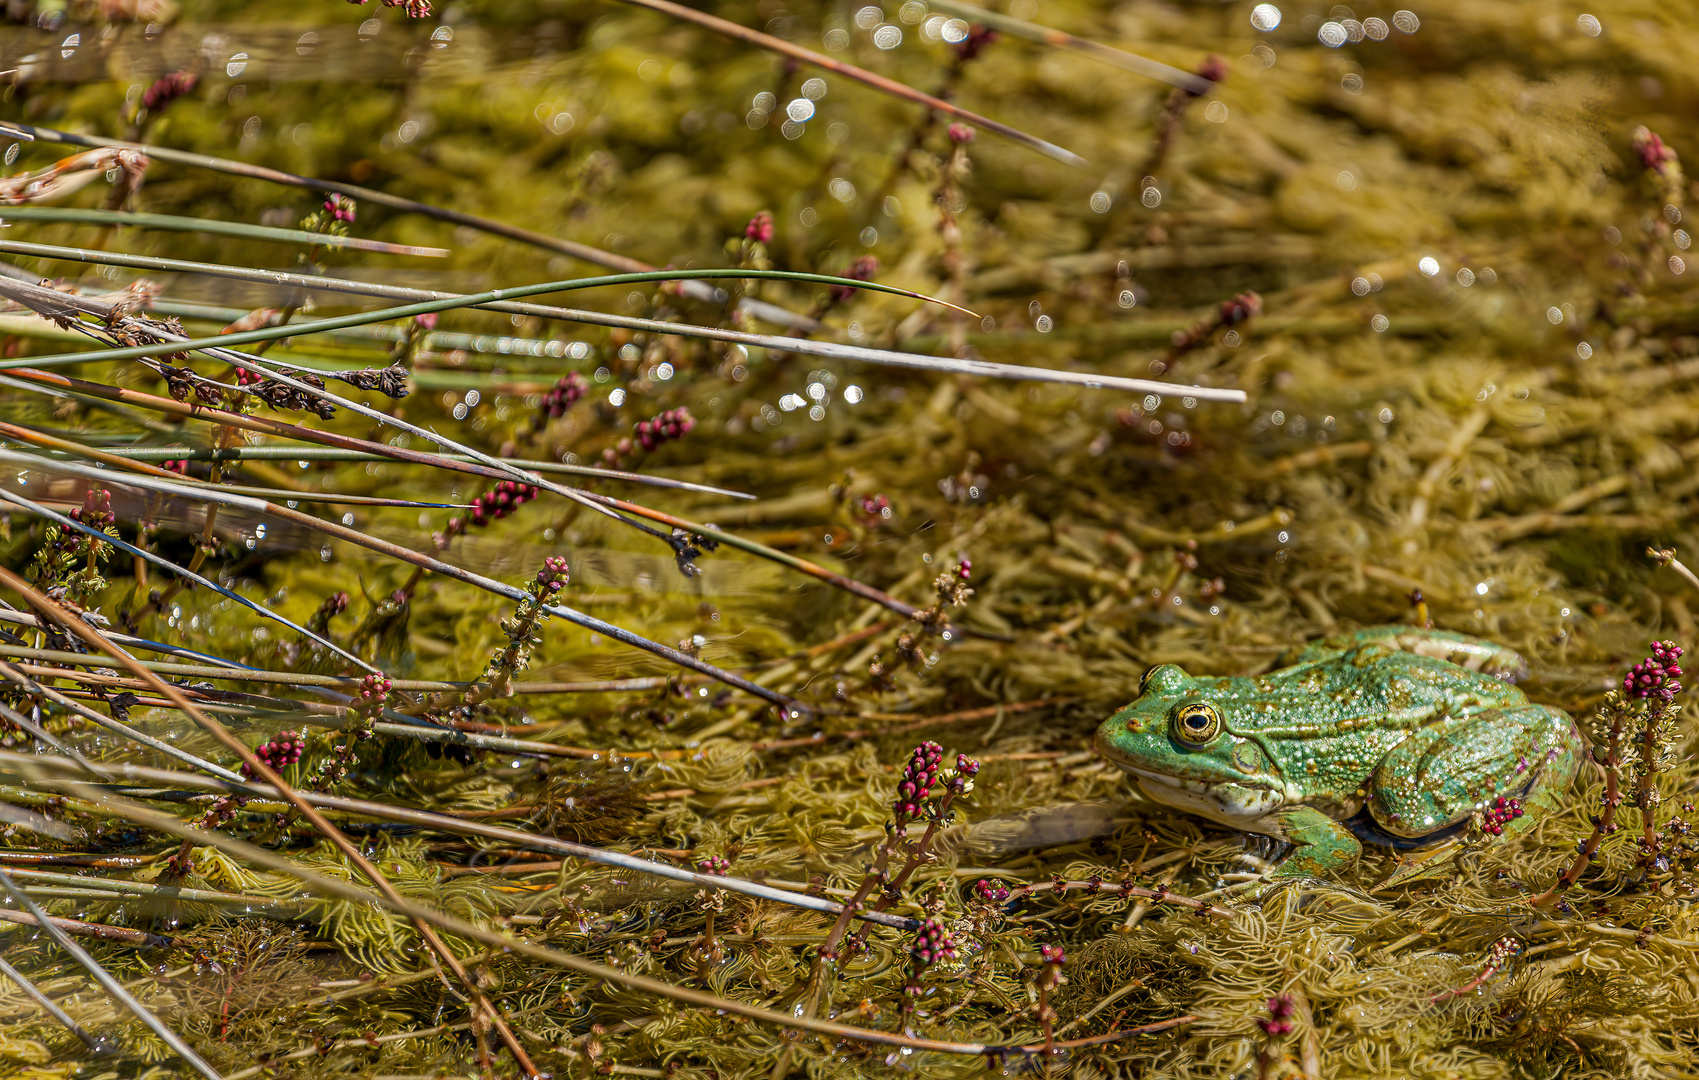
(627, 573)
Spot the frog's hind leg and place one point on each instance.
(1471, 653)
(1436, 781)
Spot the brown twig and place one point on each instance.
(120, 934)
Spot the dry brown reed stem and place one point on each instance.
(965, 715)
(449, 824)
(861, 75)
(484, 1010)
(68, 858)
(426, 562)
(866, 592)
(324, 885)
(123, 935)
(814, 570)
(521, 745)
(298, 679)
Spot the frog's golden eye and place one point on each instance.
(1196, 723)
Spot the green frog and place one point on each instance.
(1403, 736)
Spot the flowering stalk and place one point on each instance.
(956, 783)
(913, 802)
(951, 590)
(521, 630)
(1497, 956)
(159, 94)
(334, 604)
(368, 704)
(862, 269)
(931, 944)
(1653, 680)
(1241, 309)
(70, 560)
(950, 204)
(1050, 978)
(652, 433)
(751, 253)
(1647, 694)
(515, 656)
(1662, 162)
(913, 791)
(712, 902)
(284, 750)
(567, 391)
(499, 502)
(1213, 68)
(966, 51)
(1276, 1027)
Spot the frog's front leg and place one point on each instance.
(1324, 847)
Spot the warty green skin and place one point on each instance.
(1419, 728)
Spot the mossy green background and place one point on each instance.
(1509, 448)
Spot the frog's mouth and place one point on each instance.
(1233, 803)
(1236, 806)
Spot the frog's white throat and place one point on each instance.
(1235, 805)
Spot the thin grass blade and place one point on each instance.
(214, 227)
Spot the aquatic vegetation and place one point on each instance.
(887, 436)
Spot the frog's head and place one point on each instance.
(1174, 737)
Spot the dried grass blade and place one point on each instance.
(63, 521)
(1008, 24)
(801, 346)
(259, 768)
(861, 75)
(35, 689)
(465, 827)
(596, 256)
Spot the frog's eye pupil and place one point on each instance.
(1197, 722)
